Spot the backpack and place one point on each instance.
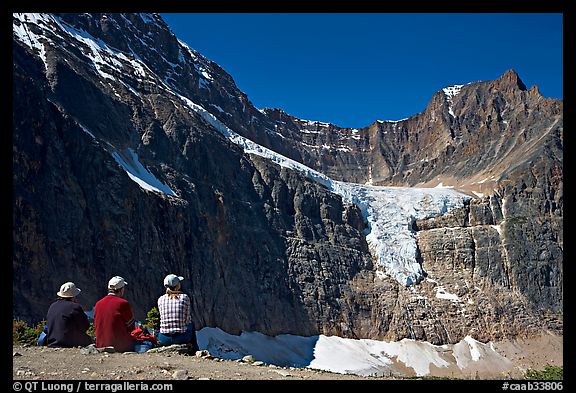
(142, 334)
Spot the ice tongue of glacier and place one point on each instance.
(390, 213)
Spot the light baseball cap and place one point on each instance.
(116, 282)
(172, 280)
(68, 289)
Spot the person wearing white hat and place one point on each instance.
(176, 326)
(67, 323)
(113, 318)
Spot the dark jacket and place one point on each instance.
(67, 325)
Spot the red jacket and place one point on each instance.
(113, 322)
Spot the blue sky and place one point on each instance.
(352, 69)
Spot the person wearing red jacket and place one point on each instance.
(113, 318)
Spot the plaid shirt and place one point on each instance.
(174, 313)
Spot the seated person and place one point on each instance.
(113, 318)
(67, 323)
(176, 326)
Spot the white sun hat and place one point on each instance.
(116, 282)
(68, 289)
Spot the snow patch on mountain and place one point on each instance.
(104, 58)
(391, 121)
(441, 293)
(314, 123)
(128, 160)
(451, 92)
(28, 37)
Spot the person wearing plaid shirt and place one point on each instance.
(176, 326)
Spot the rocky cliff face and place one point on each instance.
(265, 248)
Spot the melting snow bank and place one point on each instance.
(360, 357)
(389, 211)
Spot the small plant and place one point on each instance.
(153, 319)
(24, 334)
(549, 373)
(91, 330)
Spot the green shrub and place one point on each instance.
(153, 319)
(24, 334)
(549, 373)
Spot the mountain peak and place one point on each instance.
(534, 90)
(512, 79)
